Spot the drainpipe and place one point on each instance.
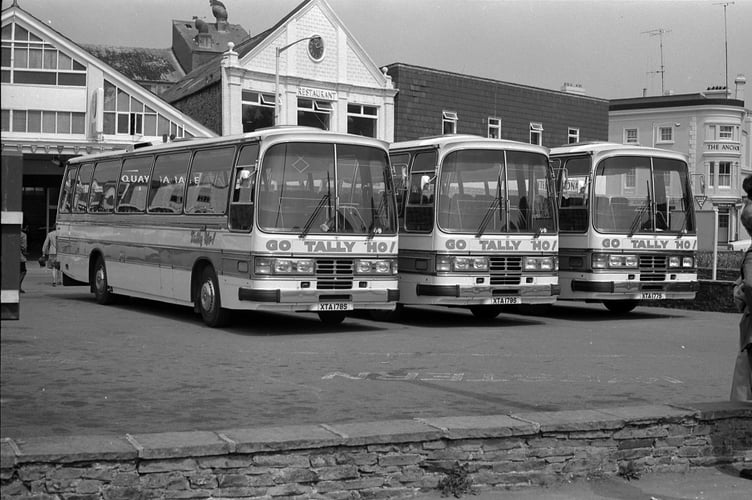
(715, 243)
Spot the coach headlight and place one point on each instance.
(614, 261)
(269, 266)
(375, 266)
(539, 263)
(461, 263)
(619, 260)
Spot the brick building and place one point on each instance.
(432, 102)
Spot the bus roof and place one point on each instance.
(468, 140)
(271, 133)
(613, 148)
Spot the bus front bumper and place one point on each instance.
(635, 290)
(318, 300)
(484, 295)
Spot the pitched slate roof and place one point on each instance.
(139, 64)
(209, 73)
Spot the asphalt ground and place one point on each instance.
(71, 366)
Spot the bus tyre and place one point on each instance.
(101, 287)
(209, 301)
(485, 312)
(620, 306)
(332, 317)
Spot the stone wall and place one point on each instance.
(391, 459)
(712, 296)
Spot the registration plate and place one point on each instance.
(334, 306)
(653, 296)
(504, 301)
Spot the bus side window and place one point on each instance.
(400, 163)
(243, 194)
(208, 183)
(83, 185)
(168, 183)
(103, 186)
(133, 186)
(66, 197)
(420, 196)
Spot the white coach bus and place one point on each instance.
(477, 223)
(626, 225)
(283, 219)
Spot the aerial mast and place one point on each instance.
(725, 37)
(659, 32)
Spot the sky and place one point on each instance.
(610, 47)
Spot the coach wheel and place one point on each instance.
(485, 312)
(101, 287)
(332, 317)
(620, 306)
(209, 301)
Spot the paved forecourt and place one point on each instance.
(71, 366)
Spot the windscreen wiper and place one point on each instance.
(646, 206)
(376, 214)
(324, 199)
(487, 217)
(637, 219)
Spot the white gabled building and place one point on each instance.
(323, 76)
(60, 101)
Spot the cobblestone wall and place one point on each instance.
(392, 459)
(712, 296)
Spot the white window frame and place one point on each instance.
(494, 127)
(725, 132)
(630, 179)
(668, 130)
(724, 174)
(536, 133)
(449, 121)
(628, 133)
(364, 111)
(711, 174)
(573, 135)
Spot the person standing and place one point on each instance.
(741, 385)
(24, 249)
(49, 249)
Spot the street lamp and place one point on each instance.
(278, 51)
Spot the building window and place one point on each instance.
(312, 113)
(27, 59)
(726, 133)
(258, 110)
(630, 179)
(630, 136)
(449, 122)
(724, 174)
(573, 135)
(536, 133)
(126, 115)
(361, 120)
(711, 174)
(665, 134)
(722, 133)
(494, 128)
(47, 122)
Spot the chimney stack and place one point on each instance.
(739, 83)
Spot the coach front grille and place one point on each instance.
(505, 270)
(653, 267)
(334, 274)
